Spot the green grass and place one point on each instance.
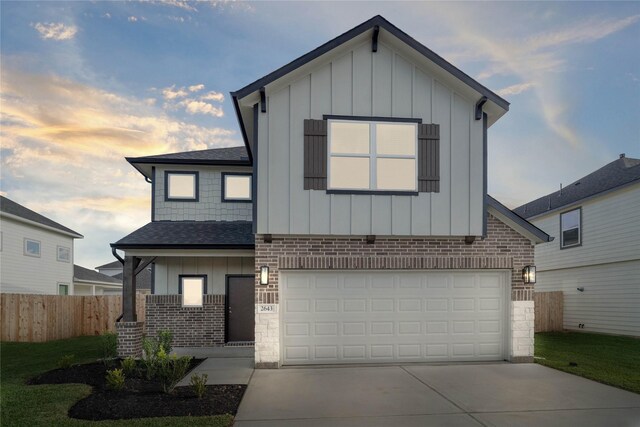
(607, 359)
(47, 405)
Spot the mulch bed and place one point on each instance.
(141, 398)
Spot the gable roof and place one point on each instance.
(516, 222)
(214, 156)
(190, 235)
(12, 209)
(143, 279)
(85, 275)
(619, 173)
(113, 265)
(377, 22)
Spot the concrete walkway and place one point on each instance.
(223, 365)
(419, 395)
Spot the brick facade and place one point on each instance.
(129, 338)
(503, 248)
(191, 326)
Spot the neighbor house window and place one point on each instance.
(236, 187)
(181, 186)
(63, 289)
(64, 254)
(192, 289)
(373, 156)
(571, 228)
(32, 247)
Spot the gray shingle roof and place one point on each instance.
(86, 275)
(143, 279)
(615, 174)
(114, 264)
(211, 156)
(190, 235)
(12, 208)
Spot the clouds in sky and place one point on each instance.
(56, 30)
(186, 98)
(63, 149)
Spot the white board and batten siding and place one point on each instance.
(24, 274)
(362, 83)
(606, 265)
(168, 270)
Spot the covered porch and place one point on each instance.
(198, 269)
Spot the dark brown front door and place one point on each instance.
(240, 308)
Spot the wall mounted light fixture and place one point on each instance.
(529, 274)
(264, 275)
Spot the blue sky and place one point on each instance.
(85, 84)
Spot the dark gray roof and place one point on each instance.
(190, 235)
(618, 173)
(86, 275)
(114, 264)
(230, 155)
(143, 279)
(10, 207)
(518, 219)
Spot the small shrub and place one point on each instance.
(199, 384)
(165, 340)
(171, 369)
(66, 361)
(149, 357)
(115, 379)
(128, 366)
(109, 347)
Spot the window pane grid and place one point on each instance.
(391, 181)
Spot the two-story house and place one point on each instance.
(354, 226)
(36, 253)
(595, 258)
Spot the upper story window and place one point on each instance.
(373, 156)
(181, 186)
(32, 248)
(236, 187)
(192, 289)
(63, 289)
(63, 254)
(571, 228)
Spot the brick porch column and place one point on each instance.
(129, 338)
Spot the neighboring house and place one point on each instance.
(144, 278)
(595, 258)
(354, 225)
(90, 282)
(36, 253)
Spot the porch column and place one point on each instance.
(129, 329)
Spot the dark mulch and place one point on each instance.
(141, 398)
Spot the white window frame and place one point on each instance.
(26, 253)
(562, 245)
(58, 253)
(372, 156)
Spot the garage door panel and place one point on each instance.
(355, 317)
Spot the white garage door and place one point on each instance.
(378, 317)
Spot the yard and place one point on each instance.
(612, 360)
(46, 405)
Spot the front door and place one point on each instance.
(240, 308)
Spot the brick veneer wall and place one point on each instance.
(191, 326)
(129, 340)
(503, 248)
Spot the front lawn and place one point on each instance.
(47, 405)
(607, 359)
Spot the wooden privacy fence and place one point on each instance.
(548, 311)
(39, 318)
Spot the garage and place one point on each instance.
(343, 317)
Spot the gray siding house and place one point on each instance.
(595, 258)
(354, 225)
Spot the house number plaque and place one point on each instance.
(267, 308)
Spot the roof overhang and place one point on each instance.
(213, 253)
(244, 99)
(96, 282)
(145, 165)
(39, 225)
(516, 222)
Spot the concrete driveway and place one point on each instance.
(420, 395)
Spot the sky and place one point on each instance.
(85, 84)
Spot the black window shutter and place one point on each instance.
(429, 158)
(315, 154)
